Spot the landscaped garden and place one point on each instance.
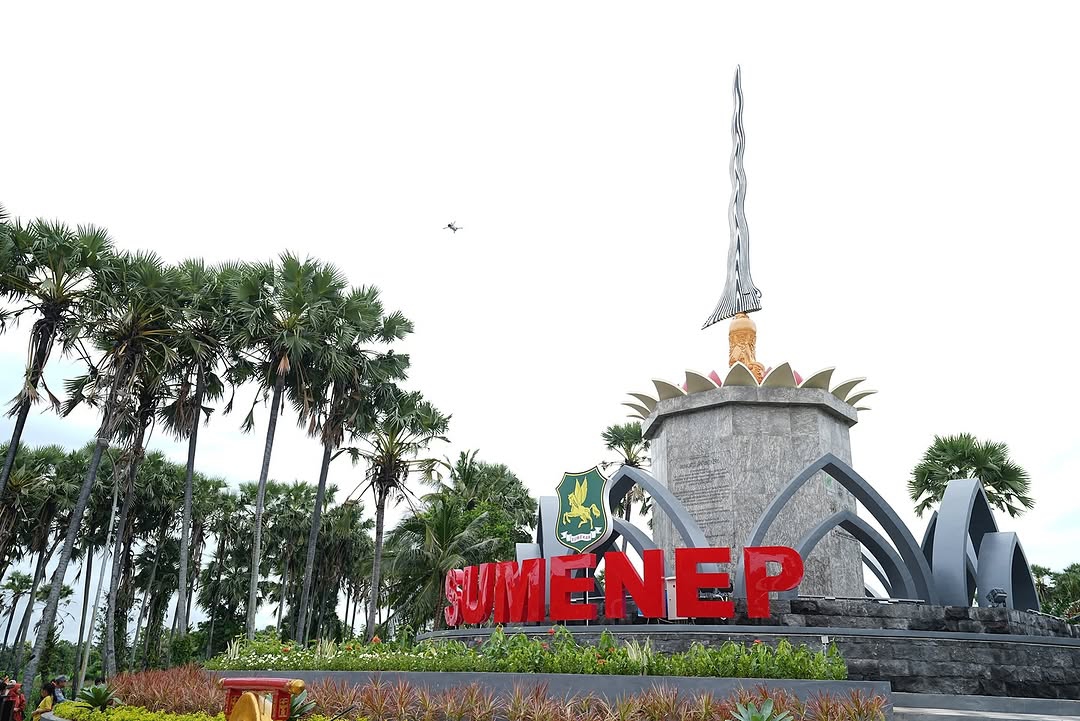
(192, 694)
(556, 652)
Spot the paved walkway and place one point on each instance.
(933, 707)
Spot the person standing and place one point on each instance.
(59, 684)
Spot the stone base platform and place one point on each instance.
(917, 648)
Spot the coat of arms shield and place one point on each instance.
(584, 520)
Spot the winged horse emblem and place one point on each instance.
(578, 509)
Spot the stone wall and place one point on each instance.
(726, 453)
(917, 648)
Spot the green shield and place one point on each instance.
(584, 520)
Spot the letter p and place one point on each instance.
(758, 580)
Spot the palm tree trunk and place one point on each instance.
(185, 525)
(88, 572)
(282, 593)
(114, 578)
(146, 638)
(210, 633)
(376, 562)
(260, 498)
(121, 547)
(42, 340)
(100, 585)
(352, 623)
(147, 597)
(222, 545)
(11, 618)
(313, 538)
(49, 614)
(348, 598)
(200, 546)
(24, 625)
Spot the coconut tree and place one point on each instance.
(442, 535)
(392, 444)
(348, 386)
(963, 456)
(49, 270)
(475, 482)
(626, 439)
(128, 314)
(283, 313)
(201, 343)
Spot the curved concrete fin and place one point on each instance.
(841, 391)
(895, 529)
(666, 390)
(858, 397)
(740, 375)
(636, 417)
(780, 377)
(641, 410)
(820, 379)
(863, 408)
(647, 401)
(697, 383)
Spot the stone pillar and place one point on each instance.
(726, 453)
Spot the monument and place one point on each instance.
(761, 531)
(725, 446)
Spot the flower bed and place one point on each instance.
(558, 654)
(384, 702)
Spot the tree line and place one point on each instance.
(174, 346)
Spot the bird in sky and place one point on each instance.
(451, 226)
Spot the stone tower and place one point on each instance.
(726, 447)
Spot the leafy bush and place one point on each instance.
(406, 703)
(75, 712)
(96, 697)
(558, 652)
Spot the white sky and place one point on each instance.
(911, 202)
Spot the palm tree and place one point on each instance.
(128, 314)
(349, 385)
(104, 543)
(223, 587)
(443, 535)
(1059, 593)
(963, 456)
(626, 439)
(51, 271)
(290, 516)
(393, 442)
(17, 585)
(17, 507)
(53, 495)
(492, 489)
(282, 315)
(201, 347)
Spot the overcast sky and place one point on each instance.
(912, 195)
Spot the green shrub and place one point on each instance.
(96, 697)
(556, 652)
(75, 712)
